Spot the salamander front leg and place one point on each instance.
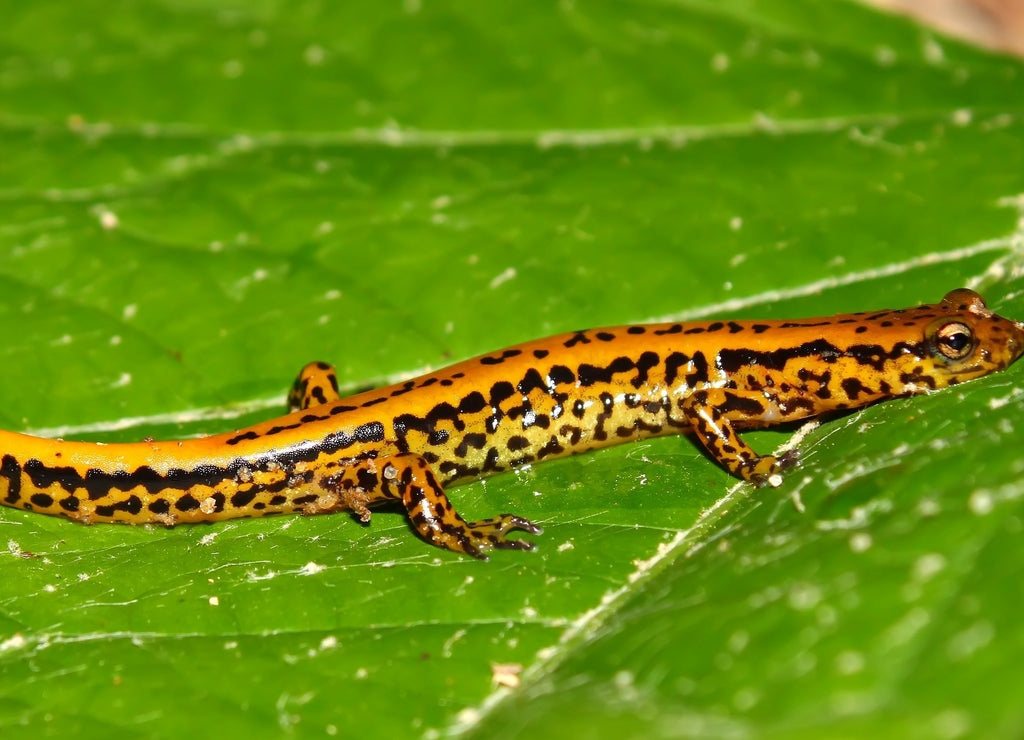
(711, 413)
(408, 478)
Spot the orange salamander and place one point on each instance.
(542, 399)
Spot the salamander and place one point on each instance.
(543, 399)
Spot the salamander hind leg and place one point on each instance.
(407, 477)
(317, 384)
(711, 413)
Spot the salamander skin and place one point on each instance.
(543, 399)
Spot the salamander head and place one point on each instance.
(968, 340)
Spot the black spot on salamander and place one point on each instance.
(341, 409)
(573, 433)
(523, 411)
(853, 388)
(531, 381)
(10, 469)
(366, 433)
(699, 374)
(577, 338)
(760, 328)
(472, 403)
(673, 329)
(474, 440)
(588, 375)
(69, 503)
(517, 442)
(716, 326)
(695, 330)
(438, 437)
(579, 408)
(428, 382)
(540, 354)
(520, 461)
(644, 363)
(551, 447)
(608, 407)
(917, 378)
(799, 404)
(501, 391)
(41, 500)
(373, 401)
(734, 328)
(160, 506)
(656, 407)
(505, 355)
(804, 324)
(454, 471)
(822, 379)
(673, 362)
(132, 504)
(875, 355)
(605, 336)
(748, 407)
(243, 436)
(241, 499)
(405, 423)
(366, 479)
(561, 375)
(491, 461)
(187, 502)
(403, 388)
(634, 330)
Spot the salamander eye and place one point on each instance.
(954, 340)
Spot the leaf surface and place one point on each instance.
(200, 197)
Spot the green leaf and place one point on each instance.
(199, 197)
